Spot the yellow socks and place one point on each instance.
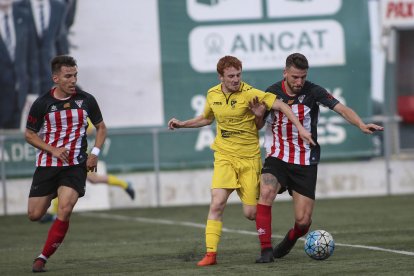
(213, 233)
(115, 181)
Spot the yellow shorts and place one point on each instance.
(238, 173)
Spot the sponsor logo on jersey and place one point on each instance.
(79, 103)
(227, 134)
(66, 105)
(31, 119)
(217, 103)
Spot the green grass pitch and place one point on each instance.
(374, 236)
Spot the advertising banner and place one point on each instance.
(334, 35)
(149, 61)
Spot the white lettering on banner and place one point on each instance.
(283, 8)
(18, 152)
(266, 45)
(397, 13)
(213, 10)
(21, 152)
(197, 103)
(206, 135)
(205, 138)
(331, 131)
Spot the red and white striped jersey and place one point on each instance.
(63, 123)
(282, 138)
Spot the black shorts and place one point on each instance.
(47, 180)
(299, 178)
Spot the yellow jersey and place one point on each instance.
(237, 134)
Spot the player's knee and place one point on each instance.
(34, 215)
(65, 210)
(304, 222)
(267, 193)
(250, 212)
(250, 215)
(217, 209)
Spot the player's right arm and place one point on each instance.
(33, 125)
(198, 121)
(33, 139)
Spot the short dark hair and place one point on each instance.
(226, 62)
(297, 60)
(63, 60)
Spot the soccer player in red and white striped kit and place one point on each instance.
(56, 127)
(291, 164)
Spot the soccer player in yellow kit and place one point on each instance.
(237, 160)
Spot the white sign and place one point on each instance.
(397, 13)
(266, 45)
(213, 10)
(295, 8)
(118, 52)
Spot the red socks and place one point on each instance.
(264, 225)
(298, 231)
(55, 237)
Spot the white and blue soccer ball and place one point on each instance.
(319, 245)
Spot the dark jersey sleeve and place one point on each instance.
(324, 97)
(271, 89)
(94, 112)
(36, 115)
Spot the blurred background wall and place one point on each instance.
(147, 61)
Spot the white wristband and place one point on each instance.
(95, 151)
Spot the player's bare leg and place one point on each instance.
(303, 218)
(214, 225)
(57, 232)
(112, 180)
(249, 211)
(269, 187)
(37, 206)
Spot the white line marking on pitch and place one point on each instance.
(199, 225)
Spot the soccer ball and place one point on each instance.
(319, 245)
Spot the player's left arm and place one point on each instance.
(351, 116)
(100, 134)
(100, 137)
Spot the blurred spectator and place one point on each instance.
(18, 63)
(47, 19)
(63, 47)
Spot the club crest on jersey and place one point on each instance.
(233, 103)
(53, 108)
(301, 98)
(79, 103)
